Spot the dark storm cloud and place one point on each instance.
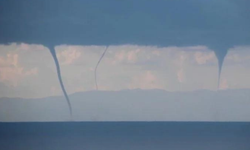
(96, 22)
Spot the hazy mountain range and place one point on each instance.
(132, 105)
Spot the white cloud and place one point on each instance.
(238, 55)
(123, 67)
(156, 52)
(145, 80)
(180, 63)
(69, 56)
(204, 57)
(119, 56)
(11, 71)
(224, 84)
(126, 56)
(181, 75)
(132, 56)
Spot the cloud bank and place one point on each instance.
(152, 67)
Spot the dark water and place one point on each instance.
(125, 136)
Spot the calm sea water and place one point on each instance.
(125, 136)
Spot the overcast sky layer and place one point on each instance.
(28, 71)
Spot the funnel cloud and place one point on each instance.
(98, 65)
(53, 53)
(220, 56)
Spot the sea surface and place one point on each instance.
(125, 136)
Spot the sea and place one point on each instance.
(125, 135)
